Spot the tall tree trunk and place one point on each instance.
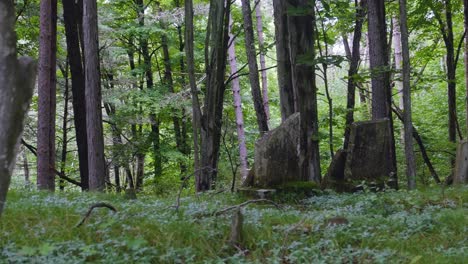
(261, 44)
(17, 79)
(325, 81)
(72, 16)
(398, 76)
(378, 55)
(465, 14)
(238, 106)
(196, 111)
(96, 162)
(287, 96)
(408, 124)
(355, 56)
(63, 158)
(262, 119)
(301, 34)
(451, 73)
(46, 91)
(216, 46)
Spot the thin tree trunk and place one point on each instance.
(262, 119)
(46, 101)
(287, 95)
(63, 160)
(27, 180)
(327, 88)
(196, 111)
(17, 79)
(238, 106)
(72, 17)
(355, 57)
(261, 42)
(408, 124)
(96, 162)
(465, 13)
(422, 148)
(302, 44)
(398, 76)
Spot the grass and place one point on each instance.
(425, 226)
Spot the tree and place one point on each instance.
(17, 79)
(209, 122)
(408, 124)
(287, 94)
(380, 76)
(446, 29)
(465, 14)
(262, 119)
(361, 10)
(72, 17)
(238, 106)
(261, 44)
(96, 161)
(47, 96)
(196, 111)
(301, 37)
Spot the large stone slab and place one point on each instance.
(276, 155)
(369, 154)
(461, 163)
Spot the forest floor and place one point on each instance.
(424, 226)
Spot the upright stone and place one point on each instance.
(369, 153)
(461, 163)
(276, 155)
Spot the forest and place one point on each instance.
(236, 131)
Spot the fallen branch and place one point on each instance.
(227, 209)
(90, 210)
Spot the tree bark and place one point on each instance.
(27, 177)
(262, 119)
(301, 34)
(378, 58)
(46, 99)
(238, 107)
(408, 124)
(96, 162)
(261, 44)
(196, 111)
(215, 68)
(355, 56)
(72, 16)
(287, 95)
(17, 79)
(465, 14)
(63, 158)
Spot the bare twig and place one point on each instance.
(227, 209)
(90, 210)
(184, 182)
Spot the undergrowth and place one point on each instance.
(425, 226)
